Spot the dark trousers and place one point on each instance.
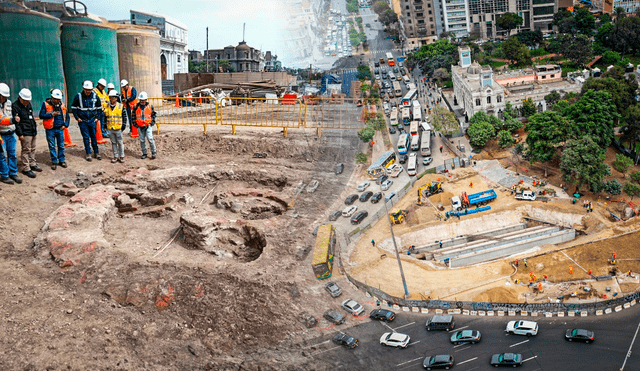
(55, 141)
(88, 131)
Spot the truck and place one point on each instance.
(526, 195)
(475, 199)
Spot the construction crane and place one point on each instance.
(398, 216)
(428, 189)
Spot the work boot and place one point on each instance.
(6, 180)
(98, 157)
(144, 157)
(63, 164)
(54, 166)
(16, 178)
(121, 160)
(114, 160)
(36, 168)
(153, 156)
(29, 173)
(88, 158)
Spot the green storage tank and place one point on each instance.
(30, 48)
(89, 52)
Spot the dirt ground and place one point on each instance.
(185, 309)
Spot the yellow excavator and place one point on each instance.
(398, 216)
(428, 189)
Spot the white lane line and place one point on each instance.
(529, 359)
(326, 350)
(315, 345)
(404, 363)
(461, 328)
(399, 327)
(459, 345)
(387, 326)
(457, 350)
(522, 342)
(415, 342)
(630, 346)
(468, 360)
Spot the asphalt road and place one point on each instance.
(547, 351)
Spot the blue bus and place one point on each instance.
(411, 95)
(403, 143)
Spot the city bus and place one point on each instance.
(406, 115)
(393, 119)
(412, 86)
(425, 145)
(390, 59)
(415, 142)
(413, 129)
(323, 252)
(412, 165)
(378, 168)
(417, 112)
(411, 95)
(397, 90)
(403, 143)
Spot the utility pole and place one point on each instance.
(207, 51)
(310, 70)
(395, 246)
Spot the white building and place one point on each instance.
(456, 17)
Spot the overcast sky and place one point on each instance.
(223, 17)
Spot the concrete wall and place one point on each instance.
(184, 81)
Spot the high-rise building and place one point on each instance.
(609, 6)
(419, 18)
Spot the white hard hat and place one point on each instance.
(56, 93)
(142, 95)
(87, 85)
(4, 90)
(102, 82)
(111, 86)
(113, 93)
(124, 83)
(25, 94)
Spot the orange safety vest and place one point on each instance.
(126, 94)
(143, 117)
(48, 123)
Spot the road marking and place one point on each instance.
(461, 328)
(630, 346)
(463, 348)
(408, 324)
(529, 359)
(458, 346)
(404, 363)
(387, 326)
(522, 342)
(468, 360)
(415, 342)
(326, 350)
(315, 345)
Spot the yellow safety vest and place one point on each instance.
(104, 97)
(113, 116)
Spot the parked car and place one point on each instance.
(442, 361)
(389, 196)
(578, 334)
(394, 170)
(381, 179)
(352, 307)
(527, 328)
(366, 196)
(427, 161)
(335, 215)
(395, 339)
(363, 186)
(339, 169)
(345, 340)
(395, 69)
(376, 197)
(403, 159)
(386, 184)
(382, 315)
(506, 359)
(334, 316)
(359, 216)
(392, 130)
(465, 336)
(348, 211)
(333, 289)
(351, 199)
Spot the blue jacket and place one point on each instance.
(87, 108)
(58, 121)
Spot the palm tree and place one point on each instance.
(619, 13)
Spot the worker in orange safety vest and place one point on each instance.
(144, 117)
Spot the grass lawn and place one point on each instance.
(496, 64)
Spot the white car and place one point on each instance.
(427, 161)
(395, 339)
(386, 184)
(363, 186)
(394, 170)
(352, 307)
(528, 328)
(349, 211)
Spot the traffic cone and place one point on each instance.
(134, 132)
(67, 139)
(177, 102)
(99, 138)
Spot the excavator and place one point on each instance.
(398, 216)
(428, 189)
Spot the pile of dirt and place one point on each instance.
(498, 295)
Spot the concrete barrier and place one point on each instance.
(534, 314)
(415, 310)
(618, 308)
(396, 307)
(438, 311)
(524, 313)
(405, 309)
(583, 313)
(599, 312)
(627, 305)
(482, 313)
(548, 314)
(560, 314)
(491, 313)
(465, 312)
(571, 313)
(607, 311)
(512, 313)
(633, 302)
(500, 313)
(473, 313)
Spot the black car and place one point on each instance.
(578, 334)
(442, 361)
(376, 197)
(392, 130)
(400, 126)
(395, 70)
(382, 315)
(365, 196)
(333, 289)
(377, 64)
(506, 359)
(335, 215)
(339, 169)
(358, 217)
(334, 316)
(403, 159)
(382, 179)
(345, 340)
(351, 199)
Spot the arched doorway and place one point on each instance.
(163, 66)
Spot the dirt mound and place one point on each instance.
(498, 295)
(443, 198)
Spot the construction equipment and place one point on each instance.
(429, 189)
(526, 195)
(398, 216)
(477, 199)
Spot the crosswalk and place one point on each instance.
(395, 52)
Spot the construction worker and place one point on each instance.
(115, 121)
(144, 117)
(87, 108)
(128, 97)
(26, 130)
(104, 99)
(8, 164)
(373, 242)
(55, 119)
(111, 87)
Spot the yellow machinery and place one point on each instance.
(428, 189)
(398, 216)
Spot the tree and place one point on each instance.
(509, 21)
(635, 176)
(585, 23)
(505, 139)
(480, 133)
(622, 89)
(441, 75)
(352, 8)
(440, 54)
(528, 108)
(605, 19)
(565, 21)
(611, 57)
(583, 162)
(480, 116)
(516, 52)
(603, 34)
(510, 111)
(377, 122)
(625, 37)
(361, 158)
(594, 114)
(552, 98)
(444, 120)
(619, 13)
(366, 134)
(380, 6)
(622, 164)
(632, 189)
(546, 131)
(631, 129)
(577, 48)
(364, 72)
(530, 38)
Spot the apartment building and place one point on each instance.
(419, 18)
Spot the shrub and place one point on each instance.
(504, 139)
(361, 158)
(632, 189)
(612, 187)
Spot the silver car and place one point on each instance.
(386, 184)
(352, 307)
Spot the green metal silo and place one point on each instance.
(31, 53)
(89, 51)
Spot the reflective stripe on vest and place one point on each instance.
(126, 94)
(94, 97)
(114, 116)
(143, 117)
(48, 123)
